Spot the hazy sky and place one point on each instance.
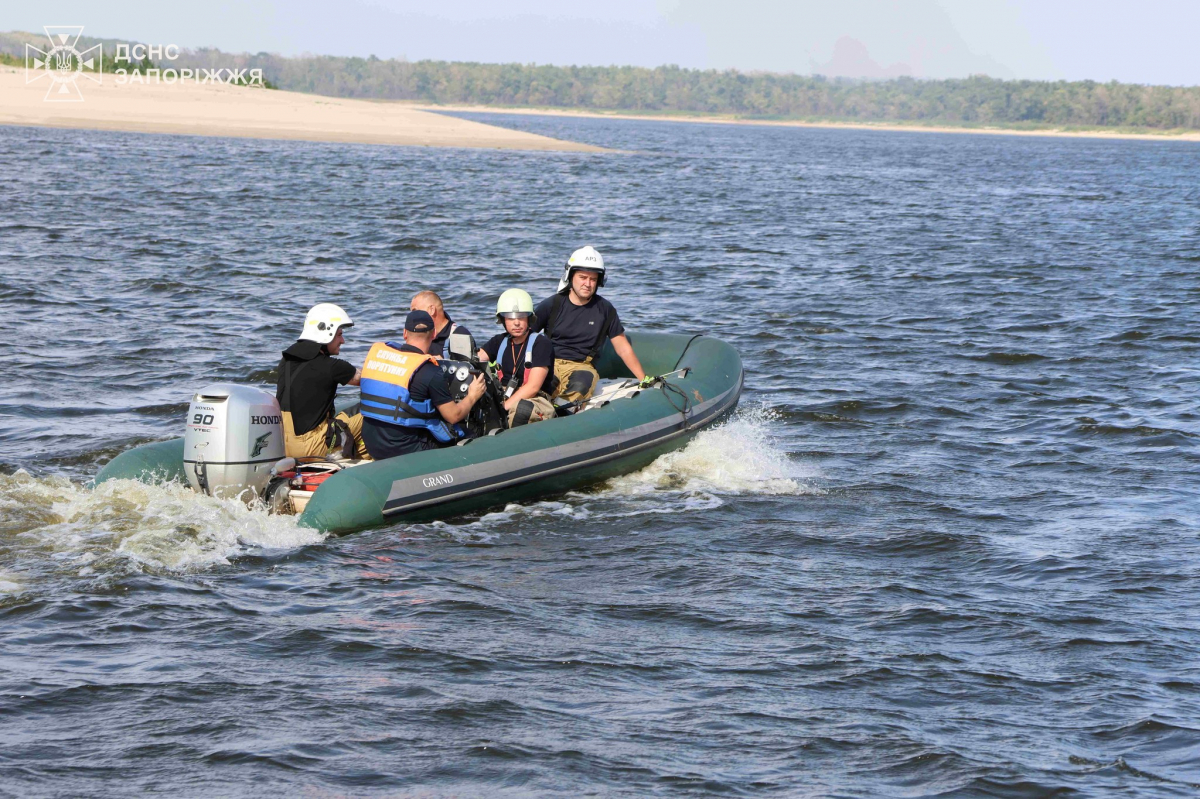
(1151, 41)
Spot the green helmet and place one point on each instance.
(514, 304)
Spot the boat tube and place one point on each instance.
(622, 429)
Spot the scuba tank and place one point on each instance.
(488, 414)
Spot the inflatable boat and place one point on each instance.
(621, 429)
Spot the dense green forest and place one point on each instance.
(969, 101)
(974, 101)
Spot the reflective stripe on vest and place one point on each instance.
(384, 397)
(446, 346)
(528, 358)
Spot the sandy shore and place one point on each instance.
(730, 120)
(222, 110)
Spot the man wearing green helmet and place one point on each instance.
(578, 321)
(523, 360)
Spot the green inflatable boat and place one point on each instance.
(622, 429)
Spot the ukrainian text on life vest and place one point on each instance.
(385, 396)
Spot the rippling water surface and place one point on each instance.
(949, 545)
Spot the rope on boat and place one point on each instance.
(670, 388)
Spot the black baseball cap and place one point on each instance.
(418, 322)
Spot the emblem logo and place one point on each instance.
(440, 480)
(63, 63)
(260, 444)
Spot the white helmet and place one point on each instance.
(323, 321)
(587, 259)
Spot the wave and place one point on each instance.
(1089, 425)
(1009, 358)
(738, 457)
(10, 583)
(124, 525)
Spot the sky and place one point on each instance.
(1151, 41)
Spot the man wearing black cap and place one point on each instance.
(406, 404)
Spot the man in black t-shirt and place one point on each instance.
(427, 382)
(308, 380)
(524, 360)
(578, 322)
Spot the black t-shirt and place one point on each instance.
(543, 355)
(578, 326)
(438, 345)
(385, 440)
(314, 378)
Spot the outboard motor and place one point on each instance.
(234, 436)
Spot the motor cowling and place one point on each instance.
(234, 436)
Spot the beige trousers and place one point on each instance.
(563, 371)
(528, 411)
(312, 444)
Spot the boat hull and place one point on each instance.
(534, 461)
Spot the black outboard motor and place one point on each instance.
(488, 414)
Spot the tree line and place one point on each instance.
(974, 101)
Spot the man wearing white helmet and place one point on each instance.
(308, 380)
(578, 321)
(523, 360)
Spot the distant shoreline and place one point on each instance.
(223, 110)
(720, 119)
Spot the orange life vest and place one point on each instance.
(384, 394)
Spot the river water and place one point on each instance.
(949, 545)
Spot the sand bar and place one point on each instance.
(221, 110)
(733, 120)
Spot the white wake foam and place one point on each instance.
(127, 523)
(735, 459)
(738, 457)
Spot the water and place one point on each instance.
(948, 546)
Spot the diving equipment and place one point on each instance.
(488, 414)
(460, 346)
